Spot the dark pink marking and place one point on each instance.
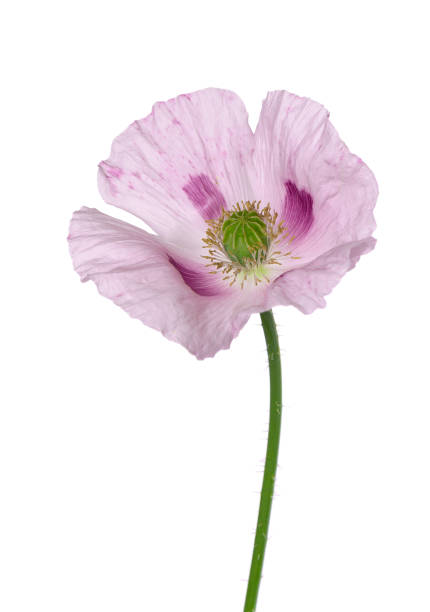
(205, 196)
(297, 213)
(111, 171)
(199, 282)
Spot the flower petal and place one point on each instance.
(306, 287)
(180, 164)
(133, 268)
(333, 192)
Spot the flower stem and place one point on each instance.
(271, 335)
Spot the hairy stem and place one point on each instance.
(271, 335)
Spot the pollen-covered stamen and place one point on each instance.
(242, 242)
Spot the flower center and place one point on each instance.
(241, 242)
(244, 236)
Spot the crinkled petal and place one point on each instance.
(310, 177)
(133, 268)
(306, 287)
(181, 164)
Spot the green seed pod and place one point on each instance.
(244, 235)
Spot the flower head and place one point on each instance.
(243, 221)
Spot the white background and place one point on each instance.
(129, 471)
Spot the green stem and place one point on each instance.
(274, 356)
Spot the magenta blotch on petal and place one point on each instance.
(297, 212)
(200, 281)
(205, 196)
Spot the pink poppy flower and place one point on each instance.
(243, 221)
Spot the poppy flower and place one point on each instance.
(242, 221)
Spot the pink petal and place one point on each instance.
(297, 145)
(306, 287)
(132, 268)
(180, 164)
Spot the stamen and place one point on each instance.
(240, 243)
